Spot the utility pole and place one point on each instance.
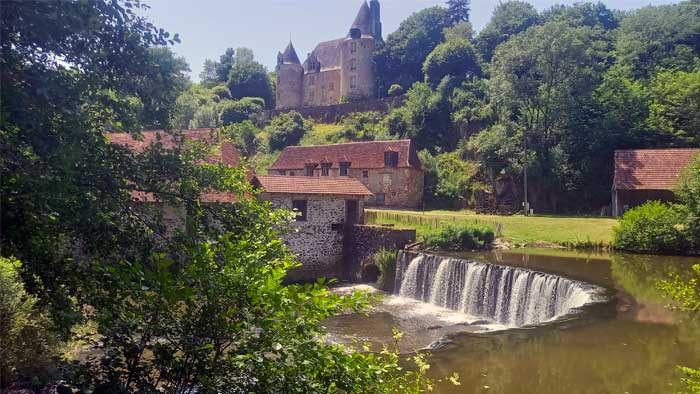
(526, 205)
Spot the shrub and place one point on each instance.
(238, 111)
(461, 236)
(396, 90)
(220, 93)
(385, 260)
(653, 228)
(287, 130)
(26, 345)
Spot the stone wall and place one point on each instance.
(334, 113)
(364, 240)
(322, 88)
(399, 187)
(317, 242)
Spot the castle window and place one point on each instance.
(301, 206)
(353, 47)
(353, 64)
(391, 159)
(365, 174)
(353, 82)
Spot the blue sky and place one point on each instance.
(208, 27)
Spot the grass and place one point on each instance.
(321, 134)
(570, 231)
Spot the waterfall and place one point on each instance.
(510, 296)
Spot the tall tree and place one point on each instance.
(508, 19)
(249, 78)
(458, 10)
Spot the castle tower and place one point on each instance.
(376, 17)
(290, 74)
(357, 75)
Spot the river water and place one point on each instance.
(623, 340)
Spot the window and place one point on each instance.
(312, 80)
(353, 64)
(309, 170)
(344, 169)
(325, 169)
(353, 47)
(353, 82)
(365, 174)
(301, 207)
(391, 159)
(291, 173)
(282, 172)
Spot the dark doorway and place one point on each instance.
(351, 212)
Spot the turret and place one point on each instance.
(376, 20)
(357, 76)
(290, 75)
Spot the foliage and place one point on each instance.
(385, 260)
(400, 59)
(165, 84)
(190, 102)
(458, 10)
(674, 106)
(395, 90)
(27, 346)
(287, 129)
(508, 19)
(662, 36)
(249, 78)
(215, 73)
(247, 108)
(652, 228)
(449, 179)
(584, 14)
(221, 92)
(455, 57)
(461, 237)
(246, 137)
(462, 30)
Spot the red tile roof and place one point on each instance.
(225, 151)
(222, 152)
(362, 155)
(650, 169)
(342, 186)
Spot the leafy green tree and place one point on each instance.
(241, 110)
(287, 129)
(665, 36)
(450, 179)
(215, 73)
(462, 30)
(159, 92)
(508, 19)
(400, 59)
(245, 136)
(456, 58)
(189, 103)
(220, 92)
(674, 106)
(584, 14)
(458, 10)
(249, 78)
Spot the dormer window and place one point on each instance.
(391, 159)
(309, 169)
(344, 168)
(326, 169)
(355, 33)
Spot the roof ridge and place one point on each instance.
(346, 143)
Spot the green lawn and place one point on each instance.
(562, 230)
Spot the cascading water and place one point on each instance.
(509, 296)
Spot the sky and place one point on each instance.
(208, 27)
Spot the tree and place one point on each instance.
(456, 58)
(663, 36)
(584, 14)
(163, 86)
(458, 10)
(674, 106)
(400, 59)
(249, 78)
(287, 129)
(215, 73)
(241, 110)
(508, 19)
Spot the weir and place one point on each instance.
(510, 296)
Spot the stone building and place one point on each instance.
(335, 70)
(327, 209)
(390, 170)
(647, 174)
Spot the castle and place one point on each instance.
(335, 70)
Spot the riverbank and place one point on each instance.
(518, 230)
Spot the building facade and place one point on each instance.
(642, 175)
(390, 170)
(327, 209)
(335, 70)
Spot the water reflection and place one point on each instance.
(633, 346)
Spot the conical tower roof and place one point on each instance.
(363, 20)
(290, 55)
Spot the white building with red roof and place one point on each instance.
(390, 170)
(647, 174)
(327, 208)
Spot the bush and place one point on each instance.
(461, 236)
(385, 260)
(26, 345)
(395, 90)
(220, 93)
(287, 130)
(241, 110)
(653, 228)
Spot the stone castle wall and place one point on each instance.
(322, 88)
(334, 113)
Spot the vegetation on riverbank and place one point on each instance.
(556, 230)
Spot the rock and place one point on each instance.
(440, 343)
